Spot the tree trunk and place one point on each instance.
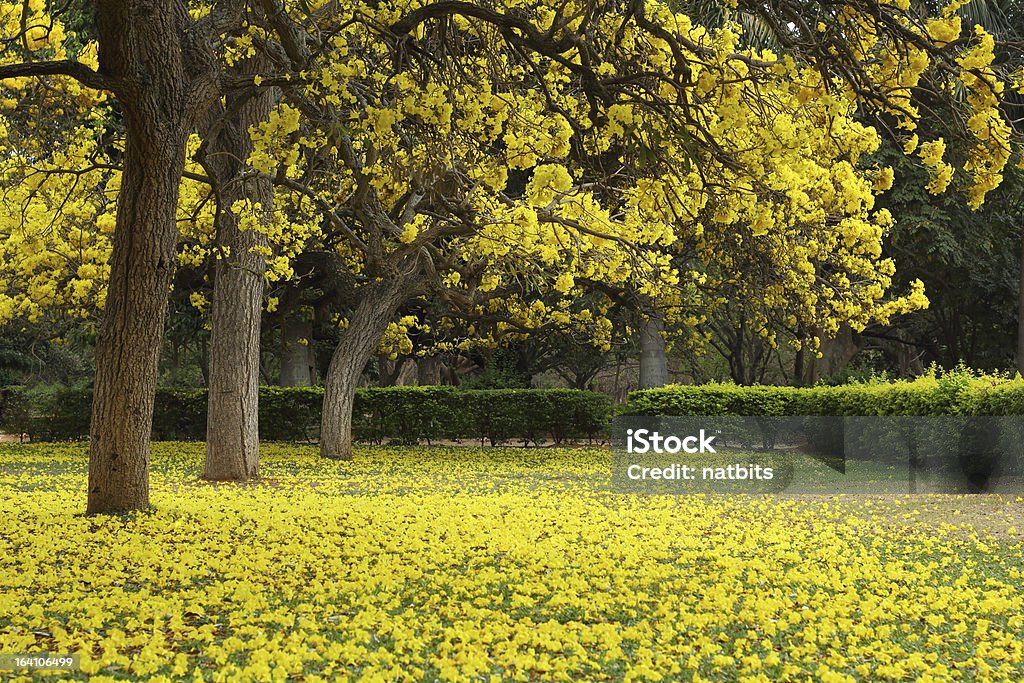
(204, 360)
(388, 370)
(138, 46)
(798, 364)
(428, 371)
(406, 373)
(357, 344)
(653, 355)
(296, 351)
(1020, 313)
(449, 375)
(232, 428)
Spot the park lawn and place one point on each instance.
(498, 564)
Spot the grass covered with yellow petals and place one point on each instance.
(497, 564)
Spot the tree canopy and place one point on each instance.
(526, 164)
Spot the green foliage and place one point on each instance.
(286, 413)
(963, 257)
(396, 414)
(15, 411)
(496, 378)
(713, 399)
(504, 368)
(56, 413)
(430, 414)
(958, 392)
(38, 357)
(180, 414)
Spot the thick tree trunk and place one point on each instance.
(653, 354)
(357, 345)
(296, 351)
(138, 47)
(232, 431)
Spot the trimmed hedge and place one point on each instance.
(952, 394)
(403, 414)
(426, 414)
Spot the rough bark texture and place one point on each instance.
(297, 362)
(357, 345)
(152, 89)
(232, 429)
(653, 354)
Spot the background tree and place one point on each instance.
(393, 160)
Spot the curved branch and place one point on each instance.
(64, 67)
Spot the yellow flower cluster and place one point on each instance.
(396, 339)
(55, 234)
(489, 564)
(763, 174)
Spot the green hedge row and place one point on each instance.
(953, 394)
(425, 414)
(405, 414)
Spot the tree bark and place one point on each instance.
(232, 423)
(357, 345)
(296, 351)
(388, 370)
(428, 371)
(138, 47)
(1020, 313)
(799, 365)
(653, 353)
(232, 428)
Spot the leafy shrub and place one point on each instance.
(427, 414)
(15, 411)
(958, 392)
(397, 414)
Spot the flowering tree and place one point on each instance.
(503, 156)
(167, 70)
(509, 158)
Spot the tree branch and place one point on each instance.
(64, 67)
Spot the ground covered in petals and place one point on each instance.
(498, 564)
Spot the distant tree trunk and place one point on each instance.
(406, 373)
(449, 375)
(232, 431)
(357, 344)
(175, 363)
(428, 371)
(388, 370)
(204, 360)
(908, 356)
(798, 365)
(653, 355)
(1020, 313)
(583, 379)
(138, 46)
(296, 351)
